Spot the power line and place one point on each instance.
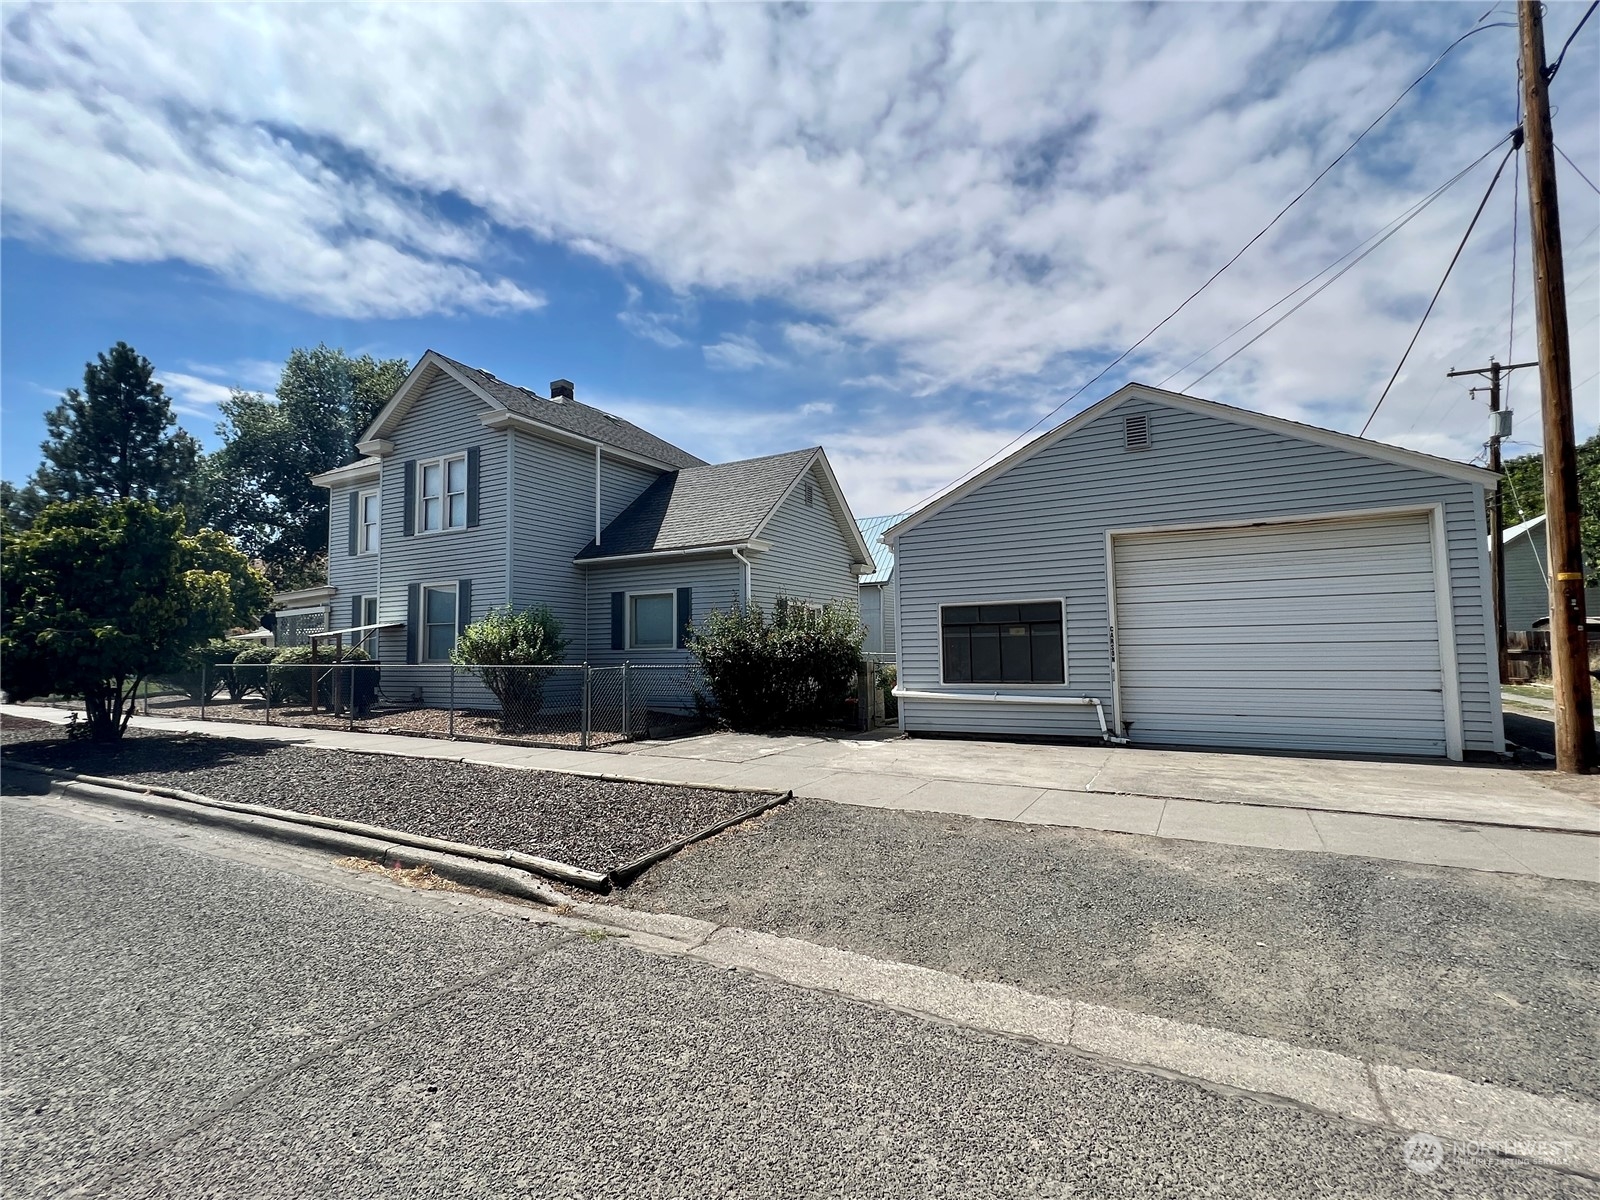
(1577, 168)
(1550, 71)
(1382, 236)
(1473, 224)
(1101, 374)
(1516, 202)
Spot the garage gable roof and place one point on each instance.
(1382, 451)
(1525, 529)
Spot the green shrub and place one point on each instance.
(888, 679)
(249, 673)
(289, 678)
(795, 671)
(507, 639)
(204, 673)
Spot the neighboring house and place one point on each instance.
(877, 588)
(1206, 576)
(1527, 568)
(476, 494)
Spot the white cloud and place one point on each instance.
(990, 201)
(192, 396)
(738, 352)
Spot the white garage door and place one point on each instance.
(1322, 635)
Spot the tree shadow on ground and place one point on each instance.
(135, 755)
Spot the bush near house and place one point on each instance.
(249, 672)
(290, 677)
(507, 639)
(795, 670)
(205, 671)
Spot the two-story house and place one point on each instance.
(475, 493)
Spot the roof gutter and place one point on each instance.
(721, 548)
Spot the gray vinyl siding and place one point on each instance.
(877, 615)
(1527, 586)
(444, 420)
(716, 581)
(1039, 530)
(351, 575)
(554, 520)
(810, 556)
(620, 485)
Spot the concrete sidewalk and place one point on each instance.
(1483, 817)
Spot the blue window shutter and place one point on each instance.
(413, 619)
(685, 614)
(354, 509)
(619, 632)
(408, 516)
(473, 466)
(463, 605)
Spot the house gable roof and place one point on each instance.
(712, 507)
(1507, 536)
(882, 553)
(1381, 451)
(580, 421)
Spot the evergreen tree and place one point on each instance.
(116, 439)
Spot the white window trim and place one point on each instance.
(454, 588)
(443, 463)
(364, 551)
(672, 641)
(1066, 666)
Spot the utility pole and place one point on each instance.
(1497, 561)
(1569, 639)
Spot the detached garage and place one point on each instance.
(1172, 571)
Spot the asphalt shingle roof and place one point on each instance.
(882, 555)
(581, 419)
(701, 506)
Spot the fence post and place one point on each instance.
(627, 706)
(266, 689)
(583, 742)
(205, 689)
(452, 701)
(353, 678)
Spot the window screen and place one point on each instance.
(652, 620)
(1003, 643)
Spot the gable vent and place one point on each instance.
(811, 494)
(1136, 431)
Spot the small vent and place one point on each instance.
(1136, 431)
(811, 495)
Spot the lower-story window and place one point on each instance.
(651, 621)
(438, 623)
(369, 616)
(1003, 643)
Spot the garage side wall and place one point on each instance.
(1039, 530)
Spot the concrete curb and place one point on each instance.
(592, 880)
(471, 872)
(1554, 1132)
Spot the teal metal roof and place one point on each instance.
(882, 557)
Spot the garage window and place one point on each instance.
(1003, 643)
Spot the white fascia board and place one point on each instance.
(303, 596)
(376, 447)
(504, 418)
(647, 555)
(352, 473)
(1211, 408)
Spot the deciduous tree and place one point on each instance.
(101, 595)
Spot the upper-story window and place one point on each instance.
(442, 496)
(367, 516)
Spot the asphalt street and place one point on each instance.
(1475, 973)
(192, 1013)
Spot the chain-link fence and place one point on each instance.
(569, 705)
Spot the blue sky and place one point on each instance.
(905, 232)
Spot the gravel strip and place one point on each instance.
(1487, 976)
(596, 824)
